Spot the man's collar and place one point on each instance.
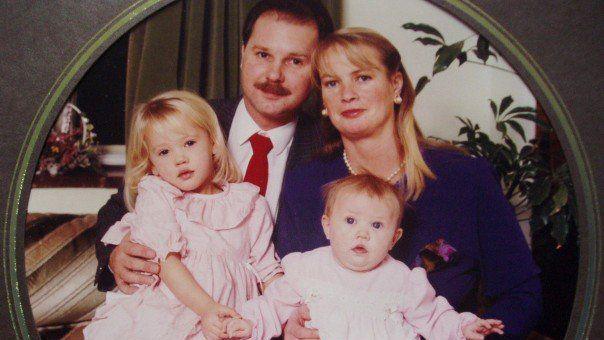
(244, 127)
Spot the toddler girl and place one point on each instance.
(353, 288)
(211, 234)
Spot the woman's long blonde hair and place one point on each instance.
(355, 43)
(173, 111)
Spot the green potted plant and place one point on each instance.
(534, 178)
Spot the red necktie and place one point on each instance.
(257, 169)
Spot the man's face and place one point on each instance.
(275, 69)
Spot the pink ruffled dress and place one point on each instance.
(388, 302)
(224, 240)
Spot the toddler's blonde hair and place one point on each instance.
(173, 111)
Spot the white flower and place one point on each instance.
(53, 169)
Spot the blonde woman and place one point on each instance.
(458, 225)
(211, 234)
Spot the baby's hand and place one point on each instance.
(212, 318)
(478, 329)
(238, 328)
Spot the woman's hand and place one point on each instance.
(129, 263)
(213, 319)
(238, 328)
(294, 329)
(478, 329)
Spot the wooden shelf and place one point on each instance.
(80, 179)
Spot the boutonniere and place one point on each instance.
(435, 255)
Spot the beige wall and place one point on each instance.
(457, 91)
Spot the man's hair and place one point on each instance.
(294, 11)
(372, 186)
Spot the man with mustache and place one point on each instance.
(267, 134)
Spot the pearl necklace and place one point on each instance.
(387, 179)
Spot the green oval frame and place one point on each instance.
(589, 220)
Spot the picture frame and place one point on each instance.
(49, 46)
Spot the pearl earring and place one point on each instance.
(324, 112)
(398, 100)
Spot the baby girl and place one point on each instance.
(353, 288)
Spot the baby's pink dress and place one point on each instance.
(224, 240)
(388, 302)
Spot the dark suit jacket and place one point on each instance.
(465, 208)
(306, 142)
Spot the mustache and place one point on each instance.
(272, 88)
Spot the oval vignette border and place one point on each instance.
(16, 316)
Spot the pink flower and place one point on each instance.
(434, 255)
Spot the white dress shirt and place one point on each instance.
(242, 128)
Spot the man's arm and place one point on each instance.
(108, 215)
(127, 260)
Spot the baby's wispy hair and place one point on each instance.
(367, 184)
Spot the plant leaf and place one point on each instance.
(482, 49)
(462, 58)
(517, 127)
(525, 151)
(559, 229)
(440, 50)
(540, 191)
(424, 28)
(522, 109)
(428, 41)
(500, 126)
(493, 108)
(533, 118)
(518, 109)
(560, 197)
(512, 146)
(447, 54)
(420, 84)
(505, 103)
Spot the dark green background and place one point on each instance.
(564, 38)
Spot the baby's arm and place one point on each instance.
(433, 317)
(268, 312)
(270, 280)
(478, 329)
(264, 259)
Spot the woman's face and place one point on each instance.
(359, 100)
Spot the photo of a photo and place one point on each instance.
(302, 169)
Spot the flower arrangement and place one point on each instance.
(71, 144)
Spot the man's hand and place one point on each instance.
(130, 264)
(295, 330)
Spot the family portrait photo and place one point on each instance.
(304, 169)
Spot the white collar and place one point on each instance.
(243, 127)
